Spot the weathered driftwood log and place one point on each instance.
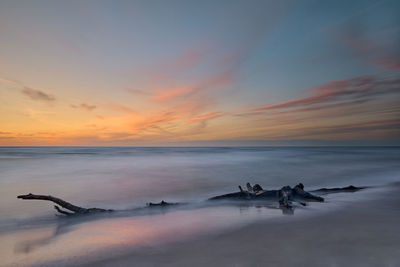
(350, 188)
(300, 193)
(76, 210)
(161, 204)
(285, 194)
(64, 204)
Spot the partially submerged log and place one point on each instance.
(285, 194)
(64, 204)
(350, 188)
(161, 204)
(300, 193)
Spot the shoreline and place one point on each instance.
(357, 231)
(362, 234)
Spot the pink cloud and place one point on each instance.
(205, 116)
(170, 68)
(188, 60)
(181, 92)
(342, 90)
(379, 50)
(349, 129)
(389, 63)
(172, 93)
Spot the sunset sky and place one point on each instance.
(199, 72)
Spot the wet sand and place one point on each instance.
(361, 233)
(348, 229)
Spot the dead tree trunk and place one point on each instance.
(64, 204)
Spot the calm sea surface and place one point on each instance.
(126, 177)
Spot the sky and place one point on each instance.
(144, 73)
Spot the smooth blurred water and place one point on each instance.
(126, 177)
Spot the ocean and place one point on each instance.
(126, 178)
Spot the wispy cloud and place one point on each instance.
(121, 109)
(184, 90)
(173, 67)
(217, 81)
(9, 82)
(137, 92)
(205, 116)
(362, 106)
(349, 129)
(343, 90)
(35, 94)
(172, 80)
(181, 106)
(84, 106)
(381, 49)
(32, 93)
(172, 93)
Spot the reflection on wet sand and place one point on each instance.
(84, 235)
(84, 238)
(67, 224)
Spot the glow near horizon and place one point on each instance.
(154, 72)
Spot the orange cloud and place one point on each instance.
(205, 116)
(219, 81)
(167, 85)
(171, 94)
(10, 82)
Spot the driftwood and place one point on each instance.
(285, 196)
(161, 204)
(76, 210)
(64, 204)
(350, 188)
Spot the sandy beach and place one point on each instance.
(363, 233)
(360, 234)
(357, 231)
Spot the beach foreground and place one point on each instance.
(348, 229)
(362, 232)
